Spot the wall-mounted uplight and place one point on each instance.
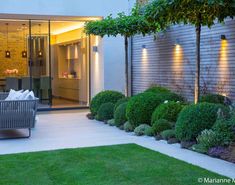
(143, 46)
(177, 42)
(223, 37)
(95, 49)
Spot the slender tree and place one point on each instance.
(195, 12)
(124, 25)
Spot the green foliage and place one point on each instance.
(140, 108)
(149, 131)
(125, 25)
(199, 148)
(165, 94)
(157, 89)
(104, 97)
(168, 111)
(224, 131)
(161, 125)
(128, 127)
(168, 134)
(111, 122)
(141, 129)
(195, 12)
(213, 98)
(208, 139)
(195, 118)
(120, 114)
(121, 101)
(105, 112)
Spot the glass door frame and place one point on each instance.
(30, 60)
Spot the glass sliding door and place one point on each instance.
(69, 64)
(49, 57)
(40, 61)
(14, 68)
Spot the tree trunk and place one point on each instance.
(198, 60)
(126, 66)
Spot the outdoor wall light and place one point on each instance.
(143, 46)
(177, 42)
(95, 49)
(223, 37)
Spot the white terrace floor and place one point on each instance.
(72, 129)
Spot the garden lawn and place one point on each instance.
(109, 165)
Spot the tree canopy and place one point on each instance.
(125, 25)
(195, 12)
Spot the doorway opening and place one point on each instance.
(50, 57)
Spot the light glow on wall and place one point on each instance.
(223, 60)
(177, 58)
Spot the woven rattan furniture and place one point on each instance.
(17, 114)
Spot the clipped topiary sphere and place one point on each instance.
(141, 129)
(168, 134)
(120, 115)
(105, 112)
(213, 98)
(128, 127)
(168, 111)
(157, 89)
(104, 97)
(161, 125)
(140, 108)
(195, 118)
(121, 101)
(111, 122)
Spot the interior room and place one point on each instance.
(49, 57)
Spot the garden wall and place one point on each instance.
(170, 60)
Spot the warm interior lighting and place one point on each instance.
(7, 54)
(40, 53)
(61, 30)
(24, 54)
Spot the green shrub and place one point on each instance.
(104, 97)
(208, 139)
(213, 98)
(128, 127)
(224, 131)
(141, 129)
(165, 94)
(121, 101)
(168, 111)
(199, 148)
(161, 125)
(140, 108)
(168, 134)
(111, 122)
(195, 118)
(157, 89)
(149, 132)
(105, 112)
(120, 115)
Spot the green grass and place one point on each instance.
(110, 165)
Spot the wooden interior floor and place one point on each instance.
(61, 103)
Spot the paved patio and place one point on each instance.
(72, 129)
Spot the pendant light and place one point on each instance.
(7, 52)
(40, 53)
(24, 52)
